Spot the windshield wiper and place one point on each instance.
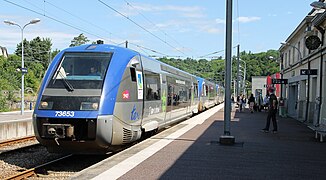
(67, 84)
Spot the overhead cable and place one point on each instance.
(140, 26)
(151, 22)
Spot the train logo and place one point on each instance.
(125, 94)
(140, 84)
(134, 114)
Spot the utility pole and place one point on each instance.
(227, 139)
(238, 69)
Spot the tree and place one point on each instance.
(37, 54)
(54, 53)
(79, 40)
(36, 50)
(36, 59)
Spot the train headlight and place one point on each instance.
(95, 106)
(45, 105)
(89, 106)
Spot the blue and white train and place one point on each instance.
(95, 98)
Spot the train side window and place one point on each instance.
(153, 85)
(133, 74)
(206, 90)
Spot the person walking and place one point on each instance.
(272, 110)
(240, 102)
(251, 102)
(244, 101)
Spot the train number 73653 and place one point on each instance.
(64, 113)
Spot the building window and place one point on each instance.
(289, 60)
(299, 47)
(285, 60)
(293, 56)
(304, 49)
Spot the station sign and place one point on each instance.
(308, 71)
(279, 81)
(23, 70)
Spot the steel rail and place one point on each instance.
(33, 171)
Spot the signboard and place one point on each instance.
(308, 71)
(279, 81)
(23, 70)
(139, 75)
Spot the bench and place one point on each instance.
(319, 129)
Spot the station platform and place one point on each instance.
(190, 150)
(16, 116)
(13, 125)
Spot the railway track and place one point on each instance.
(15, 141)
(33, 171)
(35, 162)
(19, 143)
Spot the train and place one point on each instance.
(96, 98)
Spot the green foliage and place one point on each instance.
(38, 55)
(79, 40)
(9, 80)
(259, 64)
(3, 105)
(36, 50)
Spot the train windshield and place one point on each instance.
(81, 71)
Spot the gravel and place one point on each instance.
(18, 158)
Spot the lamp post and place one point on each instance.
(34, 21)
(288, 44)
(244, 76)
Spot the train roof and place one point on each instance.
(99, 48)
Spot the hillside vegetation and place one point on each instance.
(38, 54)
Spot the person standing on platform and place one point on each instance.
(266, 100)
(251, 102)
(272, 110)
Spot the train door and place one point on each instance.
(200, 95)
(178, 100)
(164, 97)
(153, 109)
(194, 97)
(170, 100)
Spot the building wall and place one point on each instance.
(258, 82)
(302, 91)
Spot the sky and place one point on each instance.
(173, 28)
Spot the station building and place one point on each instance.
(303, 65)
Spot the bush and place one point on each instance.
(3, 104)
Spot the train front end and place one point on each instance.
(73, 112)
